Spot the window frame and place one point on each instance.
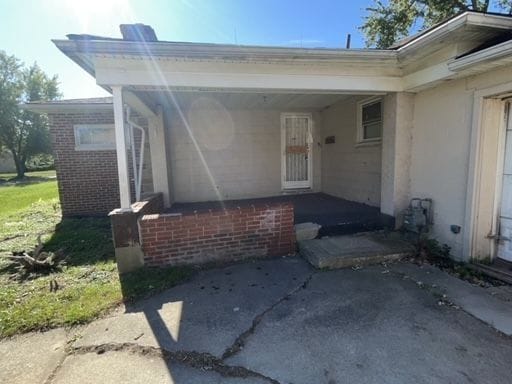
(92, 147)
(360, 128)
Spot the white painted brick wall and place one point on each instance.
(246, 163)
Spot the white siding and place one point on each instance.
(349, 171)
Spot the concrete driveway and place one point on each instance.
(279, 321)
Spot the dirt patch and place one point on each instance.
(431, 252)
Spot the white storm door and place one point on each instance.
(296, 144)
(505, 214)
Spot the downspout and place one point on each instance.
(137, 171)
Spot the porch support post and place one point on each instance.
(396, 153)
(121, 149)
(157, 148)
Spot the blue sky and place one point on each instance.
(28, 26)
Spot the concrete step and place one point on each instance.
(354, 250)
(500, 270)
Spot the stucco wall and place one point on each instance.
(396, 153)
(441, 150)
(219, 153)
(349, 171)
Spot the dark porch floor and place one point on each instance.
(336, 216)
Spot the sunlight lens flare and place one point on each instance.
(90, 13)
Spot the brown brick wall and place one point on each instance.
(87, 180)
(125, 227)
(218, 236)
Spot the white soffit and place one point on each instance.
(243, 101)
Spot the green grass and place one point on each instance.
(89, 284)
(10, 176)
(19, 197)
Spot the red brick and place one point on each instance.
(227, 235)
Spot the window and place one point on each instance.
(369, 116)
(90, 137)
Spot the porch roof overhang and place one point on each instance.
(70, 105)
(194, 66)
(412, 65)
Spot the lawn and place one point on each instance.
(29, 176)
(88, 281)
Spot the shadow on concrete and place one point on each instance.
(198, 321)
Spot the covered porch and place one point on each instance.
(336, 216)
(274, 142)
(222, 153)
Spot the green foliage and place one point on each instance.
(40, 162)
(89, 284)
(24, 133)
(389, 21)
(434, 249)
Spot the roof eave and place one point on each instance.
(75, 48)
(63, 108)
(494, 53)
(467, 18)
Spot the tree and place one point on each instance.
(389, 21)
(24, 133)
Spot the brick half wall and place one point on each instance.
(218, 236)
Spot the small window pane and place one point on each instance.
(372, 112)
(94, 137)
(371, 121)
(372, 130)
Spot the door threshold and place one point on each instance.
(498, 269)
(296, 191)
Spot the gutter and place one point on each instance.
(68, 107)
(220, 51)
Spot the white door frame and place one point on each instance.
(484, 176)
(300, 184)
(502, 141)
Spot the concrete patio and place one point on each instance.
(280, 321)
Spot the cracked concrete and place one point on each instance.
(192, 359)
(122, 366)
(206, 314)
(278, 321)
(474, 300)
(239, 343)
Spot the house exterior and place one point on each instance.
(427, 118)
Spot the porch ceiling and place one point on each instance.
(235, 100)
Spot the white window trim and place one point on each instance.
(360, 140)
(92, 147)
